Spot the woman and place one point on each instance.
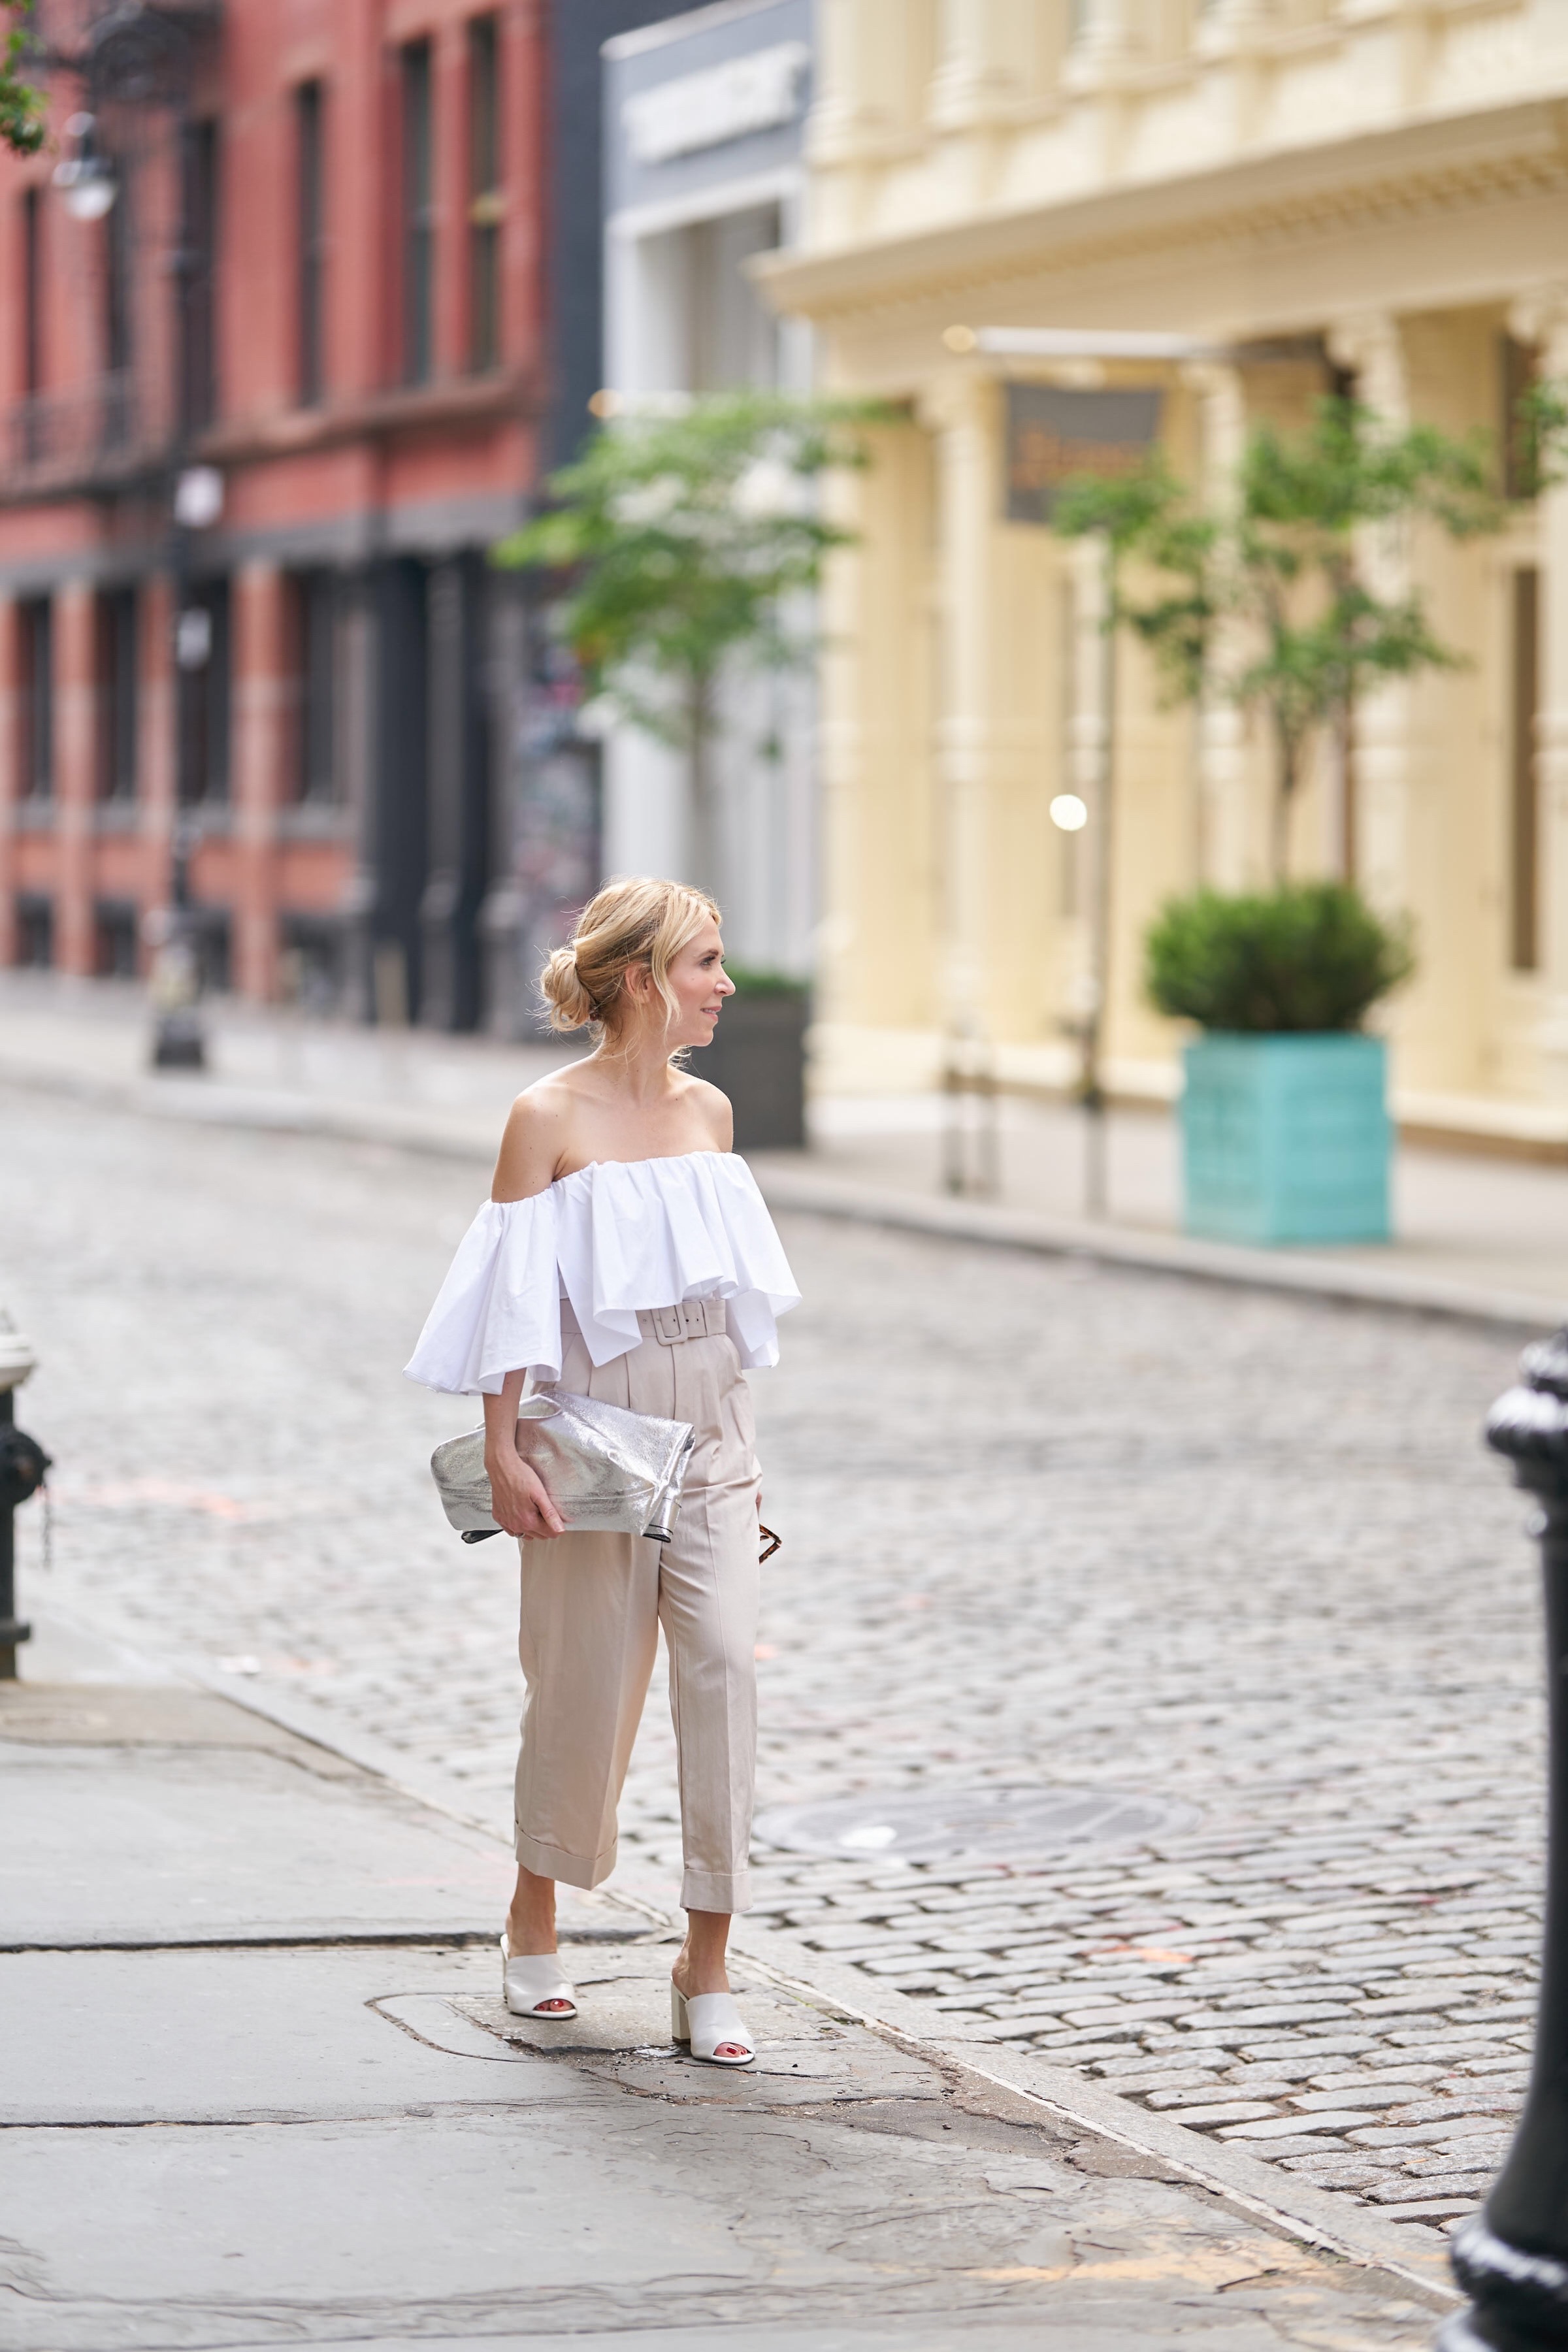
(626, 1254)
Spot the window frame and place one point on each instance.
(487, 197)
(36, 701)
(310, 242)
(117, 624)
(417, 209)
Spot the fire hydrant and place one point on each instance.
(22, 1467)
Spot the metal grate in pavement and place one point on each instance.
(995, 1824)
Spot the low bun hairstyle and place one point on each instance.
(632, 922)
(567, 1004)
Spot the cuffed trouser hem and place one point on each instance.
(570, 1869)
(716, 1890)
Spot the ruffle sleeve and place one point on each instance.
(500, 1306)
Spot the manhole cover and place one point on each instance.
(999, 1824)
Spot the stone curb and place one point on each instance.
(445, 1135)
(1297, 1271)
(1314, 2216)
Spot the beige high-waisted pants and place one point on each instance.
(591, 1607)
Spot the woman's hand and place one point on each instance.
(519, 1499)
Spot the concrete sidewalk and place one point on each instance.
(256, 2087)
(1479, 1237)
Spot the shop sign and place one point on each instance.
(707, 109)
(1052, 434)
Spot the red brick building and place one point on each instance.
(321, 282)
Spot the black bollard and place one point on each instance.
(1512, 2259)
(23, 1465)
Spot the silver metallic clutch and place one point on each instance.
(607, 1471)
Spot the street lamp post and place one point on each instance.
(139, 55)
(179, 1041)
(1512, 2258)
(23, 1467)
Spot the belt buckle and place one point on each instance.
(668, 1325)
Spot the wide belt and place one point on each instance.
(694, 1318)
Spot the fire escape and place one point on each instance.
(137, 178)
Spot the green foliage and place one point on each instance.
(1308, 956)
(751, 980)
(1544, 421)
(21, 108)
(1280, 565)
(686, 537)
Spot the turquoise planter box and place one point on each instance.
(1285, 1139)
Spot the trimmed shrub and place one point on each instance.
(1310, 956)
(751, 981)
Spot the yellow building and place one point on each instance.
(1334, 192)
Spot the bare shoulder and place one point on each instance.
(533, 1140)
(711, 1111)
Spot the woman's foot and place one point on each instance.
(527, 1944)
(534, 1984)
(712, 2027)
(690, 1984)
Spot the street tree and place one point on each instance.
(22, 107)
(688, 539)
(1264, 601)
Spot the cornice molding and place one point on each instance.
(1418, 171)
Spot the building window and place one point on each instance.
(315, 598)
(1524, 922)
(34, 931)
(35, 699)
(418, 215)
(119, 312)
(309, 107)
(198, 353)
(202, 658)
(116, 653)
(31, 434)
(32, 290)
(114, 939)
(486, 205)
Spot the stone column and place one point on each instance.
(961, 408)
(1226, 829)
(987, 70)
(261, 757)
(458, 800)
(987, 60)
(76, 777)
(874, 67)
(1103, 42)
(1372, 345)
(1542, 319)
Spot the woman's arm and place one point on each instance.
(518, 1499)
(525, 1165)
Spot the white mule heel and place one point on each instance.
(706, 2019)
(531, 1978)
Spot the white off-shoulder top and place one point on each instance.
(612, 1237)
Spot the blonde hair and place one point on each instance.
(632, 922)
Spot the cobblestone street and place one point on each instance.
(1043, 1524)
